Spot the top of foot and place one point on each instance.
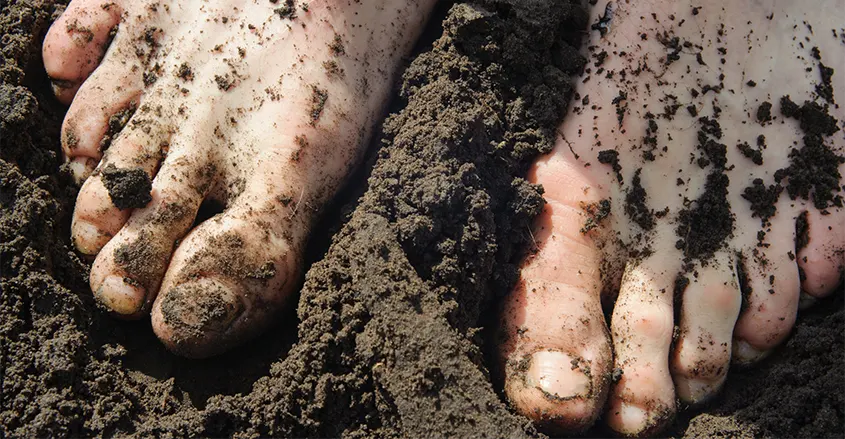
(698, 182)
(258, 108)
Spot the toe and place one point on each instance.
(229, 277)
(556, 351)
(821, 255)
(128, 271)
(771, 290)
(709, 308)
(104, 104)
(106, 200)
(643, 401)
(76, 42)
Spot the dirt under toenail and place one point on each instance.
(128, 188)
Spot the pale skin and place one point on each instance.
(267, 113)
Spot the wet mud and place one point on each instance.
(390, 337)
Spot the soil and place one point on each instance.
(389, 338)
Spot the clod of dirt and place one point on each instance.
(813, 169)
(128, 188)
(704, 226)
(611, 157)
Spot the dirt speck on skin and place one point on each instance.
(128, 188)
(388, 342)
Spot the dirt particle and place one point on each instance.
(287, 10)
(336, 46)
(802, 231)
(754, 155)
(611, 157)
(185, 72)
(635, 204)
(596, 213)
(224, 82)
(764, 112)
(116, 124)
(763, 200)
(318, 103)
(332, 69)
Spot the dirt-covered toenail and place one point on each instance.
(88, 238)
(697, 390)
(559, 376)
(194, 309)
(745, 354)
(122, 295)
(80, 168)
(632, 419)
(805, 301)
(128, 188)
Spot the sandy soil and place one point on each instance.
(391, 335)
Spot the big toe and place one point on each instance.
(556, 350)
(225, 282)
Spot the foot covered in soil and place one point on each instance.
(698, 182)
(261, 108)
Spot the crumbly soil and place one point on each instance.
(389, 336)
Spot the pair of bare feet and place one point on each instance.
(673, 192)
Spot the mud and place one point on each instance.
(389, 335)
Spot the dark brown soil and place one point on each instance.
(388, 336)
(128, 188)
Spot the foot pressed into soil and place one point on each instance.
(262, 108)
(696, 183)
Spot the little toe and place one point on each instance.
(76, 43)
(710, 304)
(771, 288)
(227, 279)
(820, 246)
(556, 350)
(643, 401)
(128, 271)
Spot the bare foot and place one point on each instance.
(698, 176)
(261, 106)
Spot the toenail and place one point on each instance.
(558, 375)
(696, 390)
(122, 295)
(632, 418)
(805, 301)
(746, 354)
(81, 168)
(88, 238)
(199, 306)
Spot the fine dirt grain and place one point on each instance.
(388, 338)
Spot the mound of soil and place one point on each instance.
(387, 340)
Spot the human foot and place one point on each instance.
(263, 107)
(653, 193)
